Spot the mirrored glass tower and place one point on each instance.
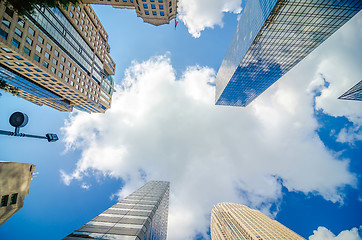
(355, 93)
(140, 216)
(236, 221)
(271, 38)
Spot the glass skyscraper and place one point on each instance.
(140, 216)
(236, 221)
(355, 93)
(271, 38)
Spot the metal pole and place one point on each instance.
(21, 134)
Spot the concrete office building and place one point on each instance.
(273, 36)
(155, 12)
(58, 57)
(355, 93)
(15, 181)
(140, 216)
(236, 221)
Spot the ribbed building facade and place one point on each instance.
(355, 93)
(140, 216)
(58, 57)
(155, 12)
(273, 36)
(236, 221)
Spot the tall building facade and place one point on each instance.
(58, 57)
(236, 221)
(355, 93)
(155, 12)
(15, 181)
(140, 216)
(271, 38)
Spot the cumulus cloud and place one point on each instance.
(201, 14)
(165, 127)
(323, 233)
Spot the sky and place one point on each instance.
(294, 153)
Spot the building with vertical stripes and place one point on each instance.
(355, 93)
(236, 221)
(140, 216)
(273, 36)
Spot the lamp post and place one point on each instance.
(18, 120)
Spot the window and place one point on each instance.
(9, 12)
(69, 64)
(60, 74)
(47, 55)
(4, 200)
(161, 7)
(40, 39)
(62, 58)
(29, 41)
(145, 6)
(6, 22)
(169, 4)
(16, 43)
(3, 34)
(162, 13)
(71, 14)
(49, 46)
(170, 10)
(14, 198)
(31, 31)
(27, 51)
(38, 48)
(21, 22)
(52, 69)
(18, 32)
(147, 12)
(154, 13)
(55, 61)
(61, 66)
(45, 64)
(76, 21)
(153, 6)
(72, 7)
(160, 1)
(56, 53)
(36, 58)
(67, 71)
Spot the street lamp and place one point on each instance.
(18, 120)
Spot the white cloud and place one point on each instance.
(201, 14)
(323, 233)
(163, 127)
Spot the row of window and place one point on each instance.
(5, 200)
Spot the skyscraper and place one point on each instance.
(272, 36)
(58, 57)
(140, 216)
(236, 221)
(15, 181)
(155, 12)
(355, 93)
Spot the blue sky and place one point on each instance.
(294, 153)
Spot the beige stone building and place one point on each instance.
(15, 181)
(58, 57)
(155, 12)
(236, 221)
